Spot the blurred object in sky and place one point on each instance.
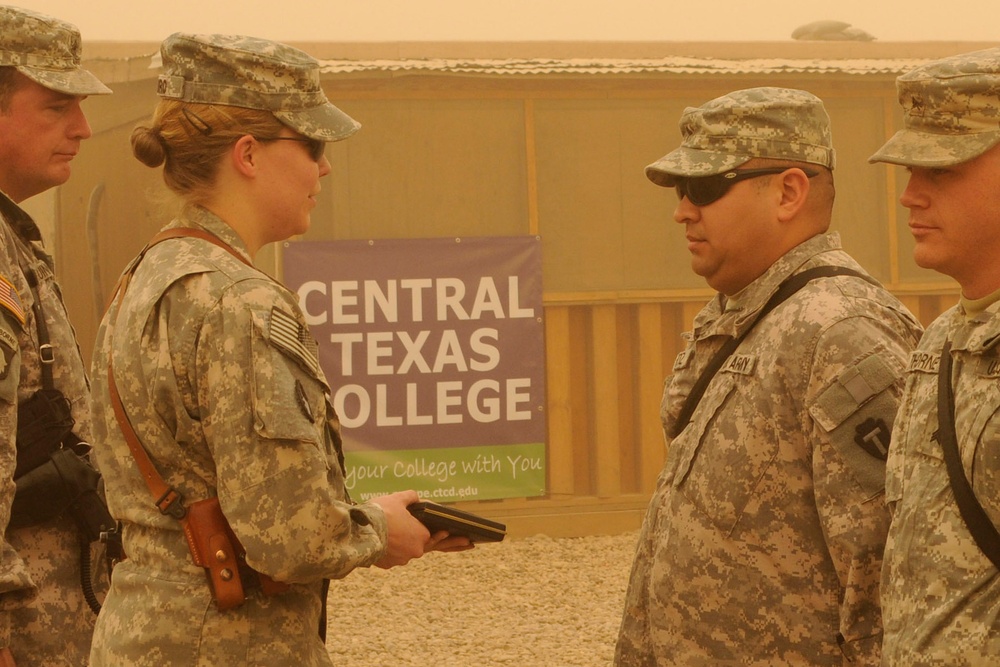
(832, 31)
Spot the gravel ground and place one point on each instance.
(530, 602)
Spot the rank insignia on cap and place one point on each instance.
(872, 435)
(288, 334)
(10, 301)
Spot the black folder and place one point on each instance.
(457, 522)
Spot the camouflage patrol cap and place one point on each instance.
(951, 112)
(722, 134)
(47, 51)
(253, 73)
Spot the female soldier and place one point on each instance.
(206, 364)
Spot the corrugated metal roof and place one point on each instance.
(590, 66)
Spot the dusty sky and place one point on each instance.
(505, 20)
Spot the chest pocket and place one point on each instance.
(914, 426)
(725, 450)
(982, 433)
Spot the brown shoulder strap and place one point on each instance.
(168, 499)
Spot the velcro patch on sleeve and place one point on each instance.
(852, 389)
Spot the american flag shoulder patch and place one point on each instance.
(10, 301)
(288, 334)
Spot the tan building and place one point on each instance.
(496, 139)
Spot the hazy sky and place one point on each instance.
(503, 20)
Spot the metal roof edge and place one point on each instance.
(613, 66)
(116, 62)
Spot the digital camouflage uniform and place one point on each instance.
(940, 593)
(763, 540)
(44, 618)
(56, 626)
(220, 379)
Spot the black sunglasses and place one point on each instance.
(315, 147)
(703, 190)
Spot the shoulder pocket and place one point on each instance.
(857, 412)
(289, 394)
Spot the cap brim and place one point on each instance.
(71, 82)
(324, 122)
(691, 163)
(909, 148)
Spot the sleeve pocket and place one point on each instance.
(856, 412)
(288, 403)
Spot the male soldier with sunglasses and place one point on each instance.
(941, 581)
(763, 540)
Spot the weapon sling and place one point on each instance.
(53, 474)
(984, 531)
(211, 540)
(789, 287)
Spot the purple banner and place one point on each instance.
(427, 343)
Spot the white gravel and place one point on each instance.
(530, 602)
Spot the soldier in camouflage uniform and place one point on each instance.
(940, 593)
(762, 543)
(219, 376)
(44, 619)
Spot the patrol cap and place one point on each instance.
(47, 51)
(253, 73)
(722, 134)
(951, 111)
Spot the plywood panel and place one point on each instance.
(689, 310)
(591, 160)
(859, 209)
(558, 401)
(432, 167)
(582, 382)
(651, 337)
(607, 468)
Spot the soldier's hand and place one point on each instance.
(442, 541)
(407, 536)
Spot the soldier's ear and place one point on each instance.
(243, 155)
(794, 191)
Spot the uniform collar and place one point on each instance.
(19, 220)
(197, 216)
(978, 333)
(735, 315)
